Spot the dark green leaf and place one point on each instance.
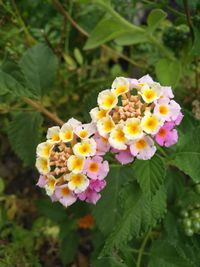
(116, 178)
(54, 211)
(10, 85)
(150, 174)
(164, 254)
(108, 262)
(68, 247)
(39, 66)
(24, 135)
(139, 213)
(187, 156)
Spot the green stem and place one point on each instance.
(162, 151)
(141, 250)
(137, 251)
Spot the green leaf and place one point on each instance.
(150, 174)
(155, 17)
(168, 72)
(108, 262)
(2, 185)
(139, 213)
(187, 156)
(68, 247)
(117, 177)
(106, 30)
(39, 66)
(53, 211)
(24, 135)
(131, 38)
(78, 56)
(164, 254)
(10, 85)
(196, 46)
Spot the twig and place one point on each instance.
(38, 106)
(189, 21)
(61, 9)
(22, 24)
(49, 43)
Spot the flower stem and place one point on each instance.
(141, 250)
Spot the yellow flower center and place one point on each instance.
(141, 144)
(121, 89)
(133, 128)
(109, 101)
(151, 123)
(46, 150)
(44, 164)
(77, 179)
(77, 163)
(120, 136)
(83, 134)
(68, 135)
(163, 109)
(101, 114)
(55, 137)
(108, 126)
(93, 167)
(51, 183)
(149, 94)
(84, 149)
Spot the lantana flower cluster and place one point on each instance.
(69, 163)
(134, 115)
(131, 120)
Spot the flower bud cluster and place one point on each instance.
(190, 220)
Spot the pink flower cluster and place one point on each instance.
(134, 115)
(71, 165)
(129, 120)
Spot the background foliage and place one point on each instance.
(55, 56)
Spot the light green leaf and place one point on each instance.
(39, 66)
(168, 72)
(187, 156)
(78, 56)
(117, 177)
(139, 213)
(106, 30)
(10, 85)
(150, 174)
(131, 38)
(155, 17)
(24, 135)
